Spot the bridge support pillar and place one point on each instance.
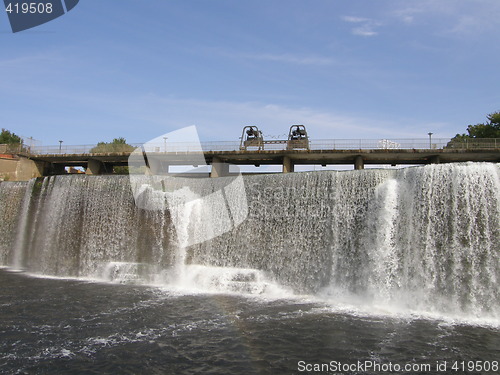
(57, 169)
(219, 169)
(94, 167)
(359, 163)
(434, 159)
(287, 164)
(158, 167)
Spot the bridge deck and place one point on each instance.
(99, 159)
(376, 156)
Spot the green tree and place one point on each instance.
(116, 145)
(7, 137)
(477, 133)
(490, 129)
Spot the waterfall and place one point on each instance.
(22, 233)
(421, 238)
(11, 198)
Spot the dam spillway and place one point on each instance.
(422, 239)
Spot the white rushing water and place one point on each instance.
(11, 197)
(423, 239)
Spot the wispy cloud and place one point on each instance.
(228, 117)
(406, 15)
(364, 26)
(449, 18)
(286, 58)
(355, 19)
(291, 59)
(453, 16)
(139, 117)
(30, 60)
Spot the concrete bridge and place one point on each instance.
(53, 160)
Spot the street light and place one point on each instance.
(60, 146)
(430, 139)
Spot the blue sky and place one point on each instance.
(346, 69)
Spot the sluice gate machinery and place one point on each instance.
(252, 138)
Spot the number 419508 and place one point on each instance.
(29, 8)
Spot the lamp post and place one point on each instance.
(165, 144)
(430, 139)
(31, 144)
(60, 146)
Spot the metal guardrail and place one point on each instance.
(11, 148)
(314, 145)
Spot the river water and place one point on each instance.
(61, 326)
(362, 272)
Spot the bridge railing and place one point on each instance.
(10, 148)
(15, 148)
(322, 144)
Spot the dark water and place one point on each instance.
(57, 326)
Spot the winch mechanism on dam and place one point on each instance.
(252, 138)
